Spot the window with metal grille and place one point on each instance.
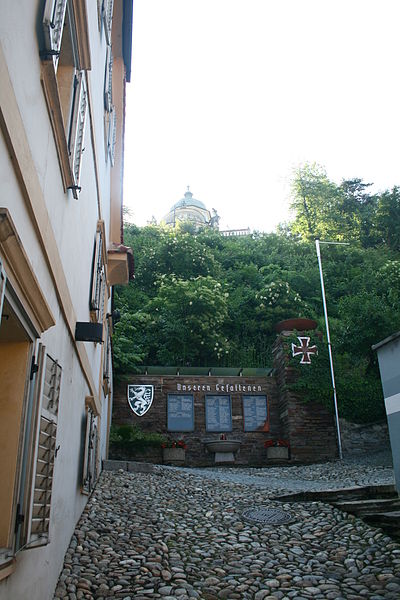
(90, 467)
(108, 7)
(78, 121)
(65, 57)
(108, 81)
(112, 138)
(107, 361)
(3, 279)
(53, 25)
(37, 519)
(98, 287)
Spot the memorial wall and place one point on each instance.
(200, 408)
(253, 413)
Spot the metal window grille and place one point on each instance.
(3, 279)
(112, 135)
(53, 24)
(108, 81)
(107, 362)
(44, 452)
(90, 470)
(77, 131)
(108, 7)
(98, 279)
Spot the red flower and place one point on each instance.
(174, 444)
(276, 443)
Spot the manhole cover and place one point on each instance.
(261, 515)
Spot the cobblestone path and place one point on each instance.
(179, 533)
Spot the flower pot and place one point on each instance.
(174, 456)
(278, 453)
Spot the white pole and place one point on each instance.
(329, 348)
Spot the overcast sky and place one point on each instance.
(229, 96)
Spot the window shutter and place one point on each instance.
(53, 24)
(108, 7)
(48, 391)
(108, 81)
(99, 12)
(96, 304)
(112, 135)
(3, 279)
(107, 360)
(77, 132)
(90, 471)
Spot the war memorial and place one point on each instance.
(234, 416)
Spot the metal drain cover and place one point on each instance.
(261, 515)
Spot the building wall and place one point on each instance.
(389, 358)
(53, 244)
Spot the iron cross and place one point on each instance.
(304, 349)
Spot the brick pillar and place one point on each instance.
(308, 426)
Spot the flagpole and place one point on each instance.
(317, 243)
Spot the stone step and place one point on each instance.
(336, 495)
(388, 521)
(377, 505)
(368, 505)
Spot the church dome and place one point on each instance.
(191, 210)
(188, 200)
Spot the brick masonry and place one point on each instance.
(309, 428)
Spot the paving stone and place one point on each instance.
(175, 533)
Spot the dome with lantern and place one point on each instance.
(191, 210)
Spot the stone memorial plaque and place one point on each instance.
(218, 413)
(255, 413)
(180, 410)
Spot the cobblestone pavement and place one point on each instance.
(179, 533)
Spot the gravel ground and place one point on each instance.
(179, 533)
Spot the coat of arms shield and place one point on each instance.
(140, 398)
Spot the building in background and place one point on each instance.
(190, 210)
(194, 212)
(63, 70)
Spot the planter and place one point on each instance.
(278, 453)
(174, 456)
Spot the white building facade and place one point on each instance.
(63, 70)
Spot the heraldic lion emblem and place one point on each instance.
(140, 398)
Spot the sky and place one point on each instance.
(231, 96)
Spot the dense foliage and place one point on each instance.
(204, 299)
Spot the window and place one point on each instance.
(26, 416)
(64, 60)
(77, 129)
(110, 116)
(90, 466)
(107, 360)
(108, 81)
(108, 6)
(218, 413)
(44, 432)
(98, 285)
(3, 280)
(16, 347)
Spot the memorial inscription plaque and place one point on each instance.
(255, 413)
(218, 413)
(180, 410)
